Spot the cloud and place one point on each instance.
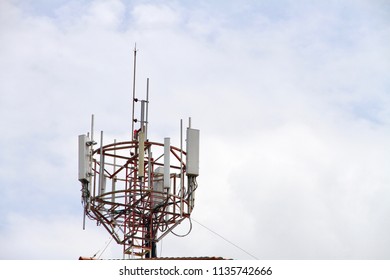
(292, 102)
(52, 237)
(155, 17)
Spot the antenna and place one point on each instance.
(133, 100)
(147, 108)
(135, 188)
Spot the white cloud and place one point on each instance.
(292, 102)
(152, 16)
(106, 13)
(51, 237)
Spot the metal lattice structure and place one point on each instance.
(138, 190)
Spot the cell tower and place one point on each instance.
(137, 189)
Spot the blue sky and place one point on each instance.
(292, 99)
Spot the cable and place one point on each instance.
(108, 243)
(184, 235)
(246, 252)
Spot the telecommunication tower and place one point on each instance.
(138, 190)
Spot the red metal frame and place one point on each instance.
(134, 219)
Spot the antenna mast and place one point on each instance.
(133, 100)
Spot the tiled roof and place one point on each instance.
(188, 258)
(166, 258)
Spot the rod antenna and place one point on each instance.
(92, 126)
(134, 100)
(147, 108)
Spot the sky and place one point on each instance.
(292, 99)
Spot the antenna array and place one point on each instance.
(136, 189)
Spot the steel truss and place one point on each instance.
(127, 199)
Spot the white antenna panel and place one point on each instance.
(192, 159)
(167, 162)
(158, 183)
(84, 150)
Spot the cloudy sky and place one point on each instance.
(292, 99)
